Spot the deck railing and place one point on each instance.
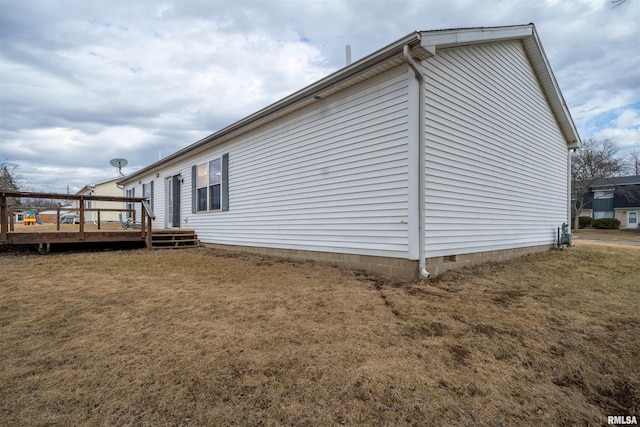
(7, 210)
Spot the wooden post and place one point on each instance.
(58, 218)
(4, 217)
(98, 219)
(143, 218)
(11, 219)
(81, 218)
(149, 236)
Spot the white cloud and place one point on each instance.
(623, 137)
(624, 129)
(82, 82)
(628, 119)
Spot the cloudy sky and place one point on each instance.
(83, 82)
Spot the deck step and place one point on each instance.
(174, 239)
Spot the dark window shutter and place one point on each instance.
(194, 197)
(176, 200)
(225, 182)
(151, 196)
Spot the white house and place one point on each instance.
(443, 149)
(108, 210)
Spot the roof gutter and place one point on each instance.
(422, 221)
(422, 46)
(389, 52)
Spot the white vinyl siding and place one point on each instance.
(107, 188)
(156, 195)
(331, 177)
(496, 173)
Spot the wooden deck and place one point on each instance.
(28, 238)
(44, 240)
(86, 232)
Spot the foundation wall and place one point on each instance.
(395, 268)
(438, 265)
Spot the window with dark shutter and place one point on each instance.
(215, 179)
(225, 182)
(202, 180)
(210, 185)
(193, 190)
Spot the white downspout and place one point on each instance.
(421, 159)
(569, 200)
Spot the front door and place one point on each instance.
(632, 219)
(172, 196)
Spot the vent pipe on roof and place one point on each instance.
(348, 52)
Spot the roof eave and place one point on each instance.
(309, 94)
(552, 89)
(444, 39)
(424, 44)
(82, 190)
(94, 184)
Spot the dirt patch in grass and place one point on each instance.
(200, 337)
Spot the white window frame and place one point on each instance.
(131, 192)
(603, 214)
(208, 179)
(146, 191)
(603, 194)
(215, 181)
(202, 187)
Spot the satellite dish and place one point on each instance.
(119, 163)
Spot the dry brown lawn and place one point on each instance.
(198, 337)
(595, 234)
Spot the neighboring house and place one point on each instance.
(443, 149)
(45, 215)
(50, 215)
(18, 216)
(102, 188)
(615, 198)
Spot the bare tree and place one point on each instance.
(595, 160)
(42, 203)
(8, 180)
(633, 162)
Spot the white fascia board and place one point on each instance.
(551, 89)
(431, 41)
(292, 102)
(92, 185)
(83, 190)
(442, 39)
(424, 44)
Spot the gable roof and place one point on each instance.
(90, 186)
(619, 180)
(627, 196)
(423, 44)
